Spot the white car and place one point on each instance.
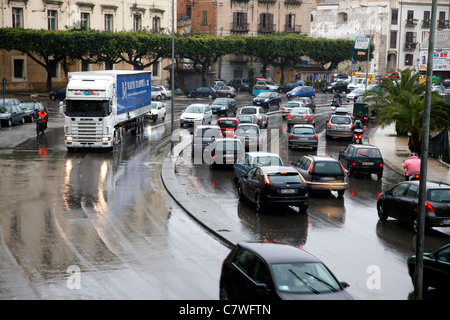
(166, 93)
(156, 93)
(158, 110)
(197, 113)
(266, 85)
(287, 108)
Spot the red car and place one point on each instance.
(228, 125)
(392, 75)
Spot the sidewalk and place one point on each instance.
(395, 149)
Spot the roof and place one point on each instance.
(262, 154)
(275, 253)
(364, 146)
(272, 169)
(323, 158)
(431, 184)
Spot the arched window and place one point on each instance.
(342, 17)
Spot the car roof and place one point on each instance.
(323, 158)
(275, 253)
(272, 169)
(302, 126)
(431, 184)
(198, 105)
(208, 126)
(261, 153)
(227, 118)
(364, 146)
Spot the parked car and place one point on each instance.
(223, 106)
(203, 136)
(267, 99)
(10, 115)
(166, 93)
(392, 75)
(322, 173)
(58, 94)
(436, 268)
(247, 118)
(202, 92)
(239, 84)
(274, 185)
(303, 136)
(362, 158)
(225, 151)
(28, 111)
(302, 91)
(250, 136)
(287, 108)
(259, 112)
(261, 271)
(253, 159)
(226, 91)
(157, 93)
(158, 110)
(219, 83)
(9, 101)
(340, 86)
(401, 202)
(228, 125)
(308, 102)
(36, 106)
(196, 113)
(339, 126)
(266, 85)
(446, 84)
(289, 86)
(301, 116)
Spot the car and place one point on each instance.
(166, 93)
(308, 102)
(266, 85)
(287, 108)
(436, 268)
(289, 86)
(303, 136)
(203, 136)
(339, 126)
(219, 83)
(225, 151)
(11, 114)
(392, 75)
(58, 94)
(157, 93)
(301, 116)
(446, 84)
(274, 185)
(158, 110)
(226, 91)
(9, 102)
(253, 159)
(335, 86)
(202, 92)
(302, 91)
(28, 111)
(259, 270)
(228, 125)
(239, 84)
(267, 99)
(247, 118)
(259, 112)
(401, 202)
(250, 136)
(196, 114)
(362, 158)
(354, 94)
(223, 106)
(322, 173)
(36, 106)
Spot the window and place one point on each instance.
(394, 16)
(137, 22)
(409, 59)
(204, 17)
(52, 19)
(155, 69)
(399, 190)
(393, 40)
(85, 20)
(411, 37)
(290, 21)
(18, 68)
(410, 14)
(109, 22)
(17, 17)
(156, 23)
(342, 17)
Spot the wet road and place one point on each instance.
(97, 225)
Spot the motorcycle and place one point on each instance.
(357, 136)
(414, 177)
(40, 126)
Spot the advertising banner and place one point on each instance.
(441, 60)
(133, 92)
(362, 43)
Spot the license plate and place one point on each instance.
(303, 138)
(258, 102)
(187, 120)
(327, 178)
(365, 163)
(287, 191)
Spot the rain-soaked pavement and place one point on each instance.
(100, 225)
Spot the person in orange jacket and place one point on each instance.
(44, 116)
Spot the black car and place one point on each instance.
(401, 202)
(274, 271)
(267, 99)
(239, 84)
(340, 86)
(202, 92)
(58, 94)
(274, 185)
(362, 158)
(436, 271)
(223, 106)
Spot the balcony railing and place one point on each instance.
(443, 24)
(426, 23)
(292, 2)
(293, 29)
(239, 27)
(410, 45)
(410, 23)
(266, 28)
(266, 1)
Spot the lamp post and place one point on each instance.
(172, 78)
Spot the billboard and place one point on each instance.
(133, 92)
(362, 43)
(441, 60)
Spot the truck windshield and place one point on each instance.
(82, 108)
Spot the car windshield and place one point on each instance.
(221, 102)
(154, 106)
(327, 167)
(227, 123)
(293, 105)
(208, 132)
(247, 129)
(248, 110)
(369, 152)
(264, 95)
(245, 118)
(228, 145)
(268, 161)
(439, 195)
(341, 120)
(284, 177)
(5, 109)
(27, 105)
(194, 109)
(310, 277)
(303, 130)
(81, 108)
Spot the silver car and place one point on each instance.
(303, 136)
(339, 126)
(287, 108)
(259, 112)
(249, 135)
(301, 116)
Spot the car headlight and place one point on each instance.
(266, 100)
(223, 108)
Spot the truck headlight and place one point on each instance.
(68, 138)
(106, 138)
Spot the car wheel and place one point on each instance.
(382, 215)
(258, 204)
(189, 95)
(164, 97)
(303, 207)
(240, 193)
(53, 98)
(22, 121)
(158, 98)
(9, 123)
(163, 117)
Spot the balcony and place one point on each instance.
(426, 23)
(239, 27)
(292, 2)
(268, 28)
(411, 23)
(293, 29)
(443, 24)
(410, 45)
(266, 1)
(241, 1)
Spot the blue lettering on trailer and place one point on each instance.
(133, 92)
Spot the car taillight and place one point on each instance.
(353, 163)
(307, 116)
(284, 109)
(311, 169)
(381, 165)
(329, 125)
(291, 136)
(289, 116)
(428, 207)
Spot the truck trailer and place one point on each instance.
(101, 105)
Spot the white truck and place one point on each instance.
(101, 105)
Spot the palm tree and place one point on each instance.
(402, 102)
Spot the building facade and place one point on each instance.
(23, 74)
